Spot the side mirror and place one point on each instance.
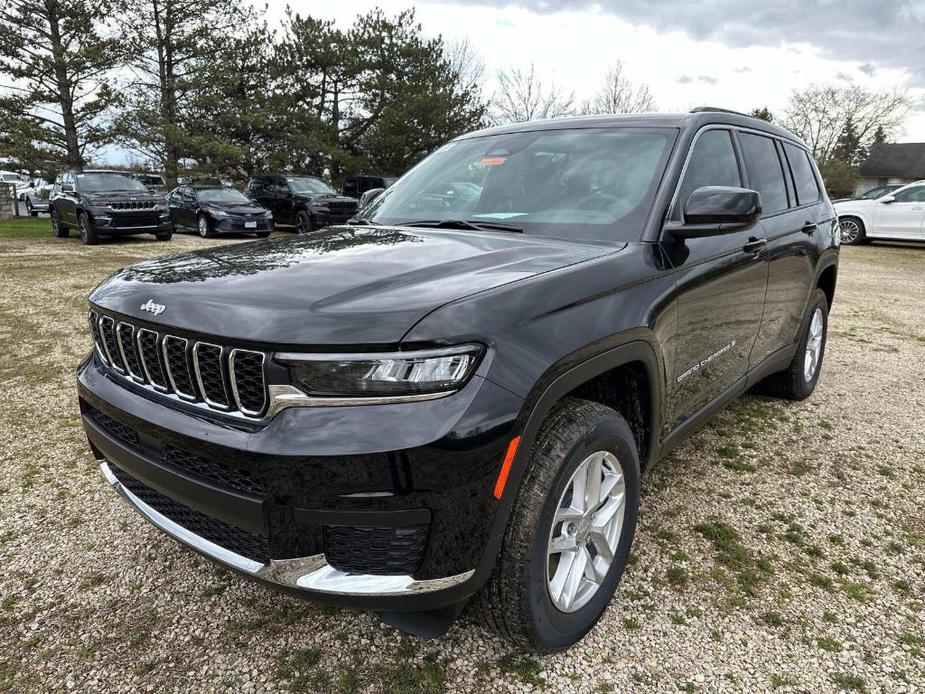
(714, 210)
(370, 195)
(887, 199)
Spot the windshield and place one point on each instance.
(588, 183)
(150, 180)
(877, 192)
(223, 195)
(305, 184)
(9, 177)
(108, 182)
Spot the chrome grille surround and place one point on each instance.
(196, 372)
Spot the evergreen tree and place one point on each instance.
(879, 136)
(763, 113)
(849, 147)
(57, 61)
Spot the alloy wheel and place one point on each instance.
(813, 346)
(300, 226)
(586, 531)
(54, 224)
(203, 227)
(84, 232)
(850, 230)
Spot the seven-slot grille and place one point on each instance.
(134, 205)
(224, 379)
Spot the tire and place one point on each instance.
(58, 229)
(32, 212)
(87, 233)
(793, 383)
(517, 602)
(303, 223)
(262, 234)
(204, 227)
(853, 232)
(164, 236)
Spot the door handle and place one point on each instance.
(754, 245)
(809, 227)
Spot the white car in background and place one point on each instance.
(898, 215)
(34, 196)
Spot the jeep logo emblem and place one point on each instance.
(151, 307)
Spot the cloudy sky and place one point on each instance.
(728, 53)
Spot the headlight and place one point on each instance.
(389, 375)
(268, 215)
(218, 213)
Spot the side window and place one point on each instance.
(280, 187)
(914, 194)
(803, 177)
(764, 171)
(712, 163)
(187, 194)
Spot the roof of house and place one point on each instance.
(900, 160)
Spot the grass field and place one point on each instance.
(25, 227)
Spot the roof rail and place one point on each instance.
(717, 109)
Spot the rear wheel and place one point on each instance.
(852, 231)
(570, 532)
(798, 380)
(87, 233)
(58, 229)
(29, 208)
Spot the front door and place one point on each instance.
(721, 285)
(902, 218)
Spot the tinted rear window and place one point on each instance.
(764, 171)
(803, 177)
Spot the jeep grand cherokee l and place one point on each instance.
(106, 204)
(305, 202)
(452, 400)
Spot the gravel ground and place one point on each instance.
(783, 547)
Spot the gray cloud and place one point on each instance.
(706, 79)
(868, 69)
(885, 34)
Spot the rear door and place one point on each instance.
(67, 205)
(721, 284)
(789, 225)
(903, 218)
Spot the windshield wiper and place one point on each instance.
(461, 224)
(361, 223)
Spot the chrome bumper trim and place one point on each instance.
(312, 574)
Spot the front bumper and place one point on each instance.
(114, 224)
(342, 494)
(238, 226)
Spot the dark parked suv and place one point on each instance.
(305, 202)
(106, 204)
(453, 399)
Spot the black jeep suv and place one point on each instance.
(305, 202)
(106, 203)
(454, 397)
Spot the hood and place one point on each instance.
(344, 286)
(121, 196)
(323, 198)
(236, 208)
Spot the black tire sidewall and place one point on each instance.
(87, 232)
(818, 301)
(303, 223)
(552, 628)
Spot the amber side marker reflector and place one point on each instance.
(506, 466)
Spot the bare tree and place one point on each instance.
(820, 113)
(466, 62)
(522, 95)
(619, 94)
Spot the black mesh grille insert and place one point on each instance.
(113, 427)
(241, 542)
(94, 319)
(219, 474)
(209, 361)
(248, 380)
(175, 352)
(151, 357)
(108, 331)
(384, 551)
(125, 333)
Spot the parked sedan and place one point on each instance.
(899, 216)
(212, 210)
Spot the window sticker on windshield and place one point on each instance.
(492, 161)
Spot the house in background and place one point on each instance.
(898, 163)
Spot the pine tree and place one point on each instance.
(763, 113)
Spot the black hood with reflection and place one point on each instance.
(342, 286)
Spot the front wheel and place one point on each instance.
(87, 233)
(799, 379)
(164, 236)
(30, 209)
(852, 231)
(570, 532)
(204, 227)
(303, 223)
(58, 229)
